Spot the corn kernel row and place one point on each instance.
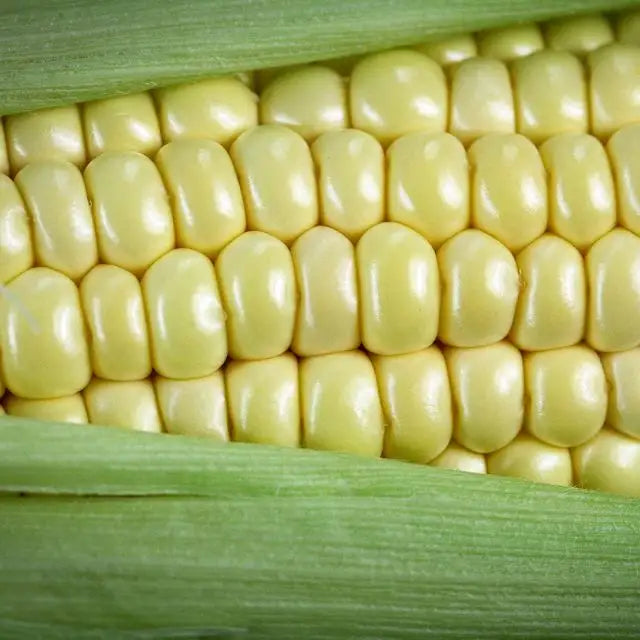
(488, 408)
(389, 94)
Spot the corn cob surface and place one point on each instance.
(452, 281)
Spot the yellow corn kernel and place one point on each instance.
(50, 134)
(609, 462)
(350, 169)
(186, 318)
(16, 251)
(487, 388)
(341, 409)
(205, 194)
(567, 395)
(4, 158)
(529, 458)
(622, 371)
(327, 317)
(416, 401)
(614, 95)
(123, 123)
(217, 108)
(42, 336)
(63, 232)
(578, 34)
(131, 210)
(115, 316)
(480, 287)
(428, 185)
(194, 407)
(399, 289)
(552, 304)
(613, 274)
(450, 50)
(513, 211)
(130, 405)
(309, 99)
(481, 100)
(582, 204)
(397, 92)
(550, 93)
(276, 175)
(458, 458)
(263, 401)
(628, 27)
(65, 409)
(257, 284)
(625, 160)
(509, 43)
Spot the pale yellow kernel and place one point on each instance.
(48, 134)
(257, 284)
(327, 315)
(131, 210)
(399, 289)
(309, 99)
(622, 371)
(16, 251)
(186, 318)
(551, 309)
(578, 34)
(428, 185)
(514, 211)
(487, 388)
(4, 157)
(450, 50)
(567, 395)
(481, 100)
(457, 458)
(263, 401)
(613, 275)
(194, 407)
(416, 401)
(397, 92)
(129, 405)
(550, 92)
(480, 287)
(217, 108)
(628, 27)
(582, 205)
(42, 336)
(350, 172)
(509, 43)
(66, 409)
(116, 324)
(625, 161)
(276, 174)
(205, 194)
(63, 232)
(122, 123)
(609, 462)
(613, 87)
(531, 459)
(341, 408)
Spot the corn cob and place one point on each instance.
(367, 276)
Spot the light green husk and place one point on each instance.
(65, 51)
(130, 535)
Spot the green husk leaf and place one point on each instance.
(65, 51)
(131, 535)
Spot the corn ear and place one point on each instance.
(66, 51)
(130, 536)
